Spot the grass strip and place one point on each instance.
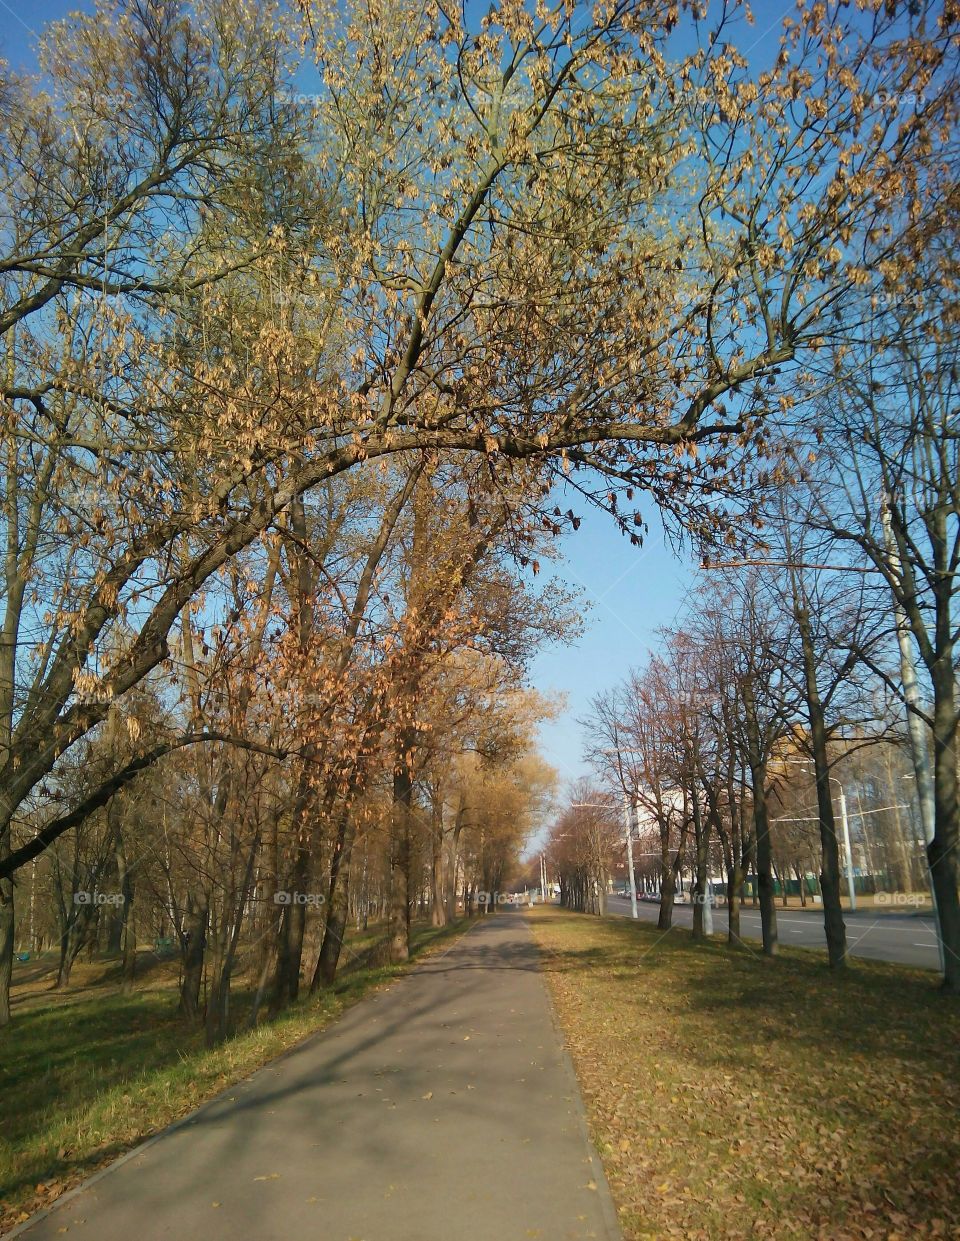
(731, 1096)
(89, 1074)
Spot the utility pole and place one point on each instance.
(851, 887)
(707, 898)
(915, 725)
(633, 886)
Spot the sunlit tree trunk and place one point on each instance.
(758, 780)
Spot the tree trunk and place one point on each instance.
(267, 968)
(286, 986)
(337, 903)
(667, 887)
(600, 884)
(293, 921)
(77, 933)
(129, 950)
(758, 778)
(802, 884)
(833, 924)
(115, 920)
(6, 930)
(453, 861)
(942, 850)
(218, 1003)
(438, 913)
(218, 993)
(270, 919)
(768, 909)
(400, 852)
(193, 949)
(128, 944)
(734, 887)
(701, 832)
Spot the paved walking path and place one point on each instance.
(443, 1107)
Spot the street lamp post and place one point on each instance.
(628, 825)
(851, 888)
(924, 820)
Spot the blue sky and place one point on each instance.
(630, 592)
(21, 22)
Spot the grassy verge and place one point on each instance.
(732, 1097)
(87, 1074)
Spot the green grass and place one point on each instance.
(735, 1097)
(86, 1075)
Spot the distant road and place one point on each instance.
(905, 938)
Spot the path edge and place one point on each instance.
(192, 1117)
(608, 1206)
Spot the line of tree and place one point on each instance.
(256, 338)
(372, 754)
(828, 658)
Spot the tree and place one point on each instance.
(746, 625)
(836, 630)
(895, 494)
(583, 844)
(635, 726)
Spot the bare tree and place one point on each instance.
(894, 493)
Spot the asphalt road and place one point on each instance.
(905, 938)
(443, 1106)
